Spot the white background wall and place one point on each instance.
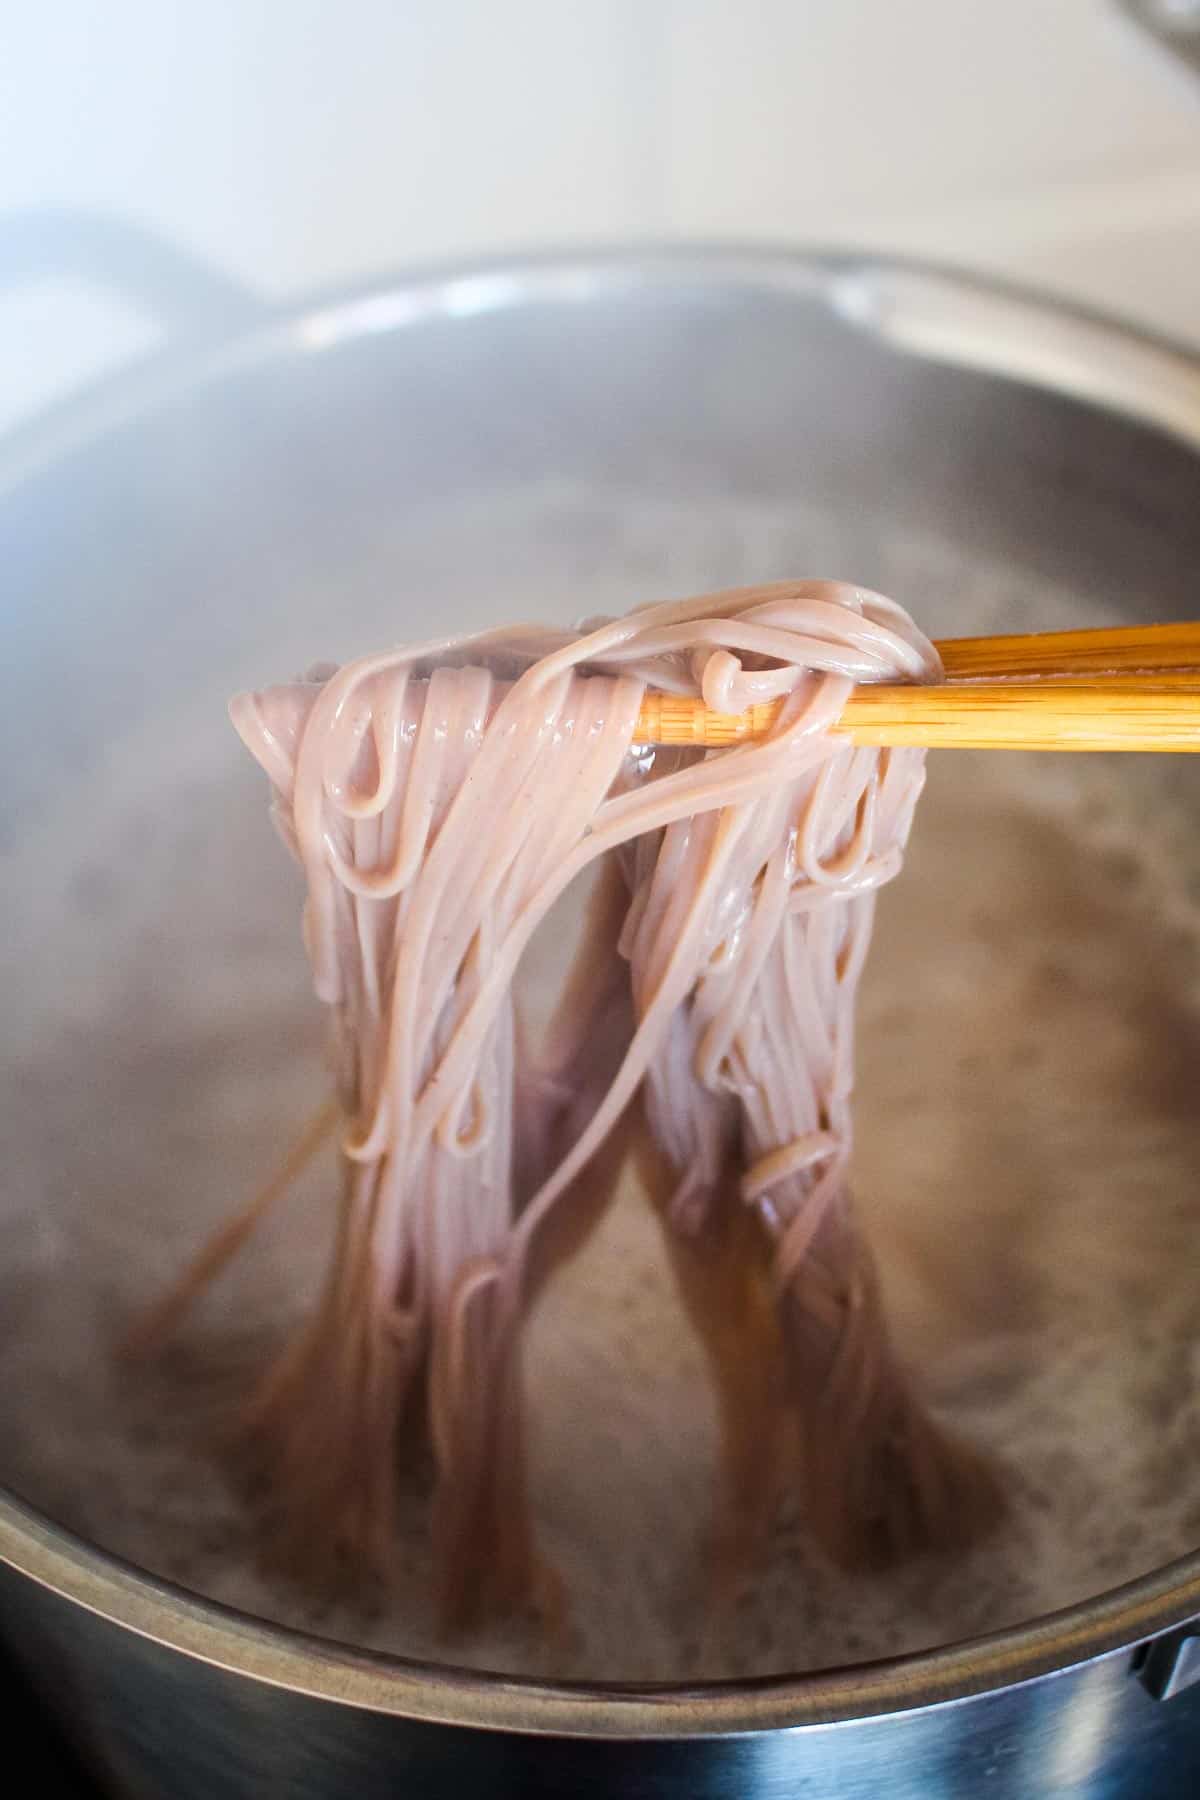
(297, 142)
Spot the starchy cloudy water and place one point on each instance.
(1026, 1158)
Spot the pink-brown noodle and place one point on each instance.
(440, 798)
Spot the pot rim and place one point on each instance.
(926, 308)
(920, 307)
(412, 1688)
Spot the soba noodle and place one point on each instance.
(440, 799)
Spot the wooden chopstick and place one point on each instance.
(1105, 650)
(1126, 688)
(1121, 713)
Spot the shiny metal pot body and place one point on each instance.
(175, 519)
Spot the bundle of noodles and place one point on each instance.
(748, 1104)
(438, 811)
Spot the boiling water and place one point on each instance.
(1028, 1151)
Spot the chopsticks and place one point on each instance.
(1102, 650)
(1118, 688)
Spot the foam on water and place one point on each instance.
(1028, 1154)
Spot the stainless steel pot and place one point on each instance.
(218, 485)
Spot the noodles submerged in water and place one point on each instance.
(440, 798)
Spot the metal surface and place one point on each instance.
(208, 506)
(1171, 1664)
(1175, 24)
